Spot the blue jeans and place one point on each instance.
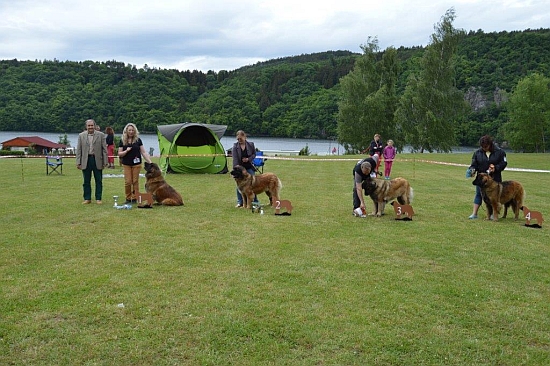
(250, 171)
(477, 198)
(98, 177)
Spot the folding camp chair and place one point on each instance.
(52, 163)
(259, 162)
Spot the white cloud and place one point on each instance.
(218, 34)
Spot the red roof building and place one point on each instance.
(38, 143)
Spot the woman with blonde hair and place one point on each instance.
(130, 151)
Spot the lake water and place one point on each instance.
(319, 147)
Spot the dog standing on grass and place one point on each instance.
(249, 185)
(495, 194)
(382, 191)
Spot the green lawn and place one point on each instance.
(209, 284)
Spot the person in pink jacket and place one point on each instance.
(389, 155)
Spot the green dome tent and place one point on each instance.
(192, 148)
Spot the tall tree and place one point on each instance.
(368, 98)
(431, 103)
(528, 128)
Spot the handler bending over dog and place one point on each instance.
(361, 172)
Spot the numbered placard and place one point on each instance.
(280, 204)
(144, 199)
(532, 216)
(402, 212)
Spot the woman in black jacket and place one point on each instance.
(490, 159)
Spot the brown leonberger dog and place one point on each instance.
(494, 194)
(249, 185)
(162, 192)
(382, 191)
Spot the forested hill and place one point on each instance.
(292, 96)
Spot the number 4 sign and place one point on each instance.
(532, 215)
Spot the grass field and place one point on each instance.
(209, 284)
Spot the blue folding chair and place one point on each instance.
(52, 163)
(259, 162)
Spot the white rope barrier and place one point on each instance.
(289, 159)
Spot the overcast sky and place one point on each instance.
(227, 34)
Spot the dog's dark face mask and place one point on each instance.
(479, 181)
(237, 172)
(151, 170)
(369, 186)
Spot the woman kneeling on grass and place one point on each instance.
(130, 150)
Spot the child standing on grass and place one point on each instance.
(389, 155)
(376, 148)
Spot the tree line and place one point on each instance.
(296, 96)
(432, 113)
